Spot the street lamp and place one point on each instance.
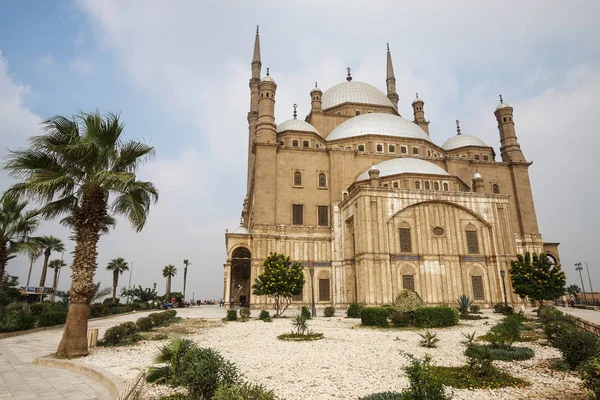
(130, 273)
(502, 273)
(579, 268)
(312, 287)
(590, 279)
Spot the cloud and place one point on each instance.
(81, 67)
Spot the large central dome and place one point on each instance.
(354, 92)
(378, 124)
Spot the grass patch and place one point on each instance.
(297, 337)
(464, 378)
(183, 327)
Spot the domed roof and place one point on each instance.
(296, 125)
(458, 141)
(378, 124)
(477, 176)
(267, 78)
(404, 166)
(503, 105)
(240, 230)
(354, 92)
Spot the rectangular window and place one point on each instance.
(323, 215)
(472, 244)
(405, 242)
(298, 214)
(408, 282)
(477, 282)
(324, 292)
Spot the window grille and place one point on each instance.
(445, 187)
(472, 244)
(477, 157)
(408, 282)
(294, 143)
(324, 291)
(417, 185)
(403, 150)
(427, 185)
(395, 185)
(305, 144)
(297, 178)
(298, 214)
(415, 150)
(322, 180)
(391, 148)
(477, 282)
(379, 147)
(485, 158)
(323, 215)
(436, 186)
(405, 242)
(361, 147)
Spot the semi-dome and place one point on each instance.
(354, 92)
(378, 124)
(296, 125)
(404, 166)
(240, 230)
(458, 141)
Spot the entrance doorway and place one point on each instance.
(240, 277)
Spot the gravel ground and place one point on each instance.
(351, 361)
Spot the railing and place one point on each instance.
(585, 325)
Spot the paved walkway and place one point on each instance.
(588, 315)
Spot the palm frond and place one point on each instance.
(135, 201)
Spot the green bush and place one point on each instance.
(374, 316)
(558, 325)
(477, 351)
(231, 315)
(305, 312)
(123, 333)
(329, 312)
(97, 310)
(51, 318)
(244, 314)
(546, 313)
(400, 318)
(435, 317)
(407, 301)
(160, 318)
(353, 310)
(577, 346)
(171, 354)
(264, 316)
(244, 391)
(204, 370)
(423, 385)
(500, 309)
(386, 396)
(144, 324)
(16, 317)
(590, 375)
(475, 309)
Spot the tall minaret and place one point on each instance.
(252, 118)
(509, 146)
(390, 80)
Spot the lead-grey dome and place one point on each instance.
(240, 230)
(458, 141)
(353, 92)
(378, 124)
(296, 125)
(404, 166)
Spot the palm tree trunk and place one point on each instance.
(29, 274)
(55, 284)
(115, 284)
(45, 268)
(169, 289)
(184, 281)
(3, 260)
(89, 220)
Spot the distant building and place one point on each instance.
(365, 197)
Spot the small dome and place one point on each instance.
(354, 92)
(503, 105)
(240, 230)
(477, 176)
(404, 166)
(267, 78)
(458, 141)
(316, 89)
(296, 125)
(378, 124)
(418, 100)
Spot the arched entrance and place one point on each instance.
(240, 277)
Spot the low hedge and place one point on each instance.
(399, 318)
(435, 317)
(577, 346)
(478, 351)
(353, 310)
(374, 316)
(51, 318)
(123, 333)
(329, 312)
(386, 396)
(144, 324)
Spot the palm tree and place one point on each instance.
(186, 263)
(169, 271)
(34, 252)
(98, 293)
(49, 244)
(56, 265)
(16, 224)
(117, 266)
(74, 168)
(573, 290)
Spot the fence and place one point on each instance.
(585, 325)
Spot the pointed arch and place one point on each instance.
(421, 203)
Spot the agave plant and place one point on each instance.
(300, 325)
(464, 303)
(429, 339)
(470, 337)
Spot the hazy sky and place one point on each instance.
(178, 72)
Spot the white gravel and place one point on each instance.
(351, 361)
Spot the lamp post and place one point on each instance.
(590, 279)
(312, 289)
(579, 268)
(502, 273)
(129, 284)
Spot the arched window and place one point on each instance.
(504, 117)
(495, 188)
(395, 185)
(445, 187)
(322, 180)
(472, 242)
(417, 185)
(357, 112)
(297, 178)
(305, 144)
(294, 143)
(392, 148)
(426, 185)
(485, 158)
(415, 150)
(361, 147)
(429, 153)
(403, 150)
(436, 185)
(477, 157)
(380, 147)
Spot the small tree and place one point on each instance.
(534, 276)
(280, 280)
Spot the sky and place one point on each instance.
(178, 72)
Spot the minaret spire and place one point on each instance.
(256, 55)
(391, 80)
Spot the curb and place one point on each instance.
(108, 379)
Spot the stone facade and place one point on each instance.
(365, 199)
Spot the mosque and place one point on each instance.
(370, 205)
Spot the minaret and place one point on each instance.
(390, 80)
(266, 129)
(419, 114)
(315, 99)
(509, 146)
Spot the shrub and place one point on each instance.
(204, 370)
(300, 326)
(400, 318)
(16, 317)
(435, 317)
(329, 312)
(374, 316)
(305, 312)
(385, 396)
(144, 324)
(577, 346)
(500, 309)
(97, 310)
(429, 339)
(423, 385)
(51, 318)
(407, 301)
(353, 310)
(559, 325)
(546, 313)
(590, 375)
(479, 351)
(475, 309)
(123, 333)
(464, 303)
(160, 318)
(244, 391)
(231, 315)
(244, 314)
(171, 354)
(264, 316)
